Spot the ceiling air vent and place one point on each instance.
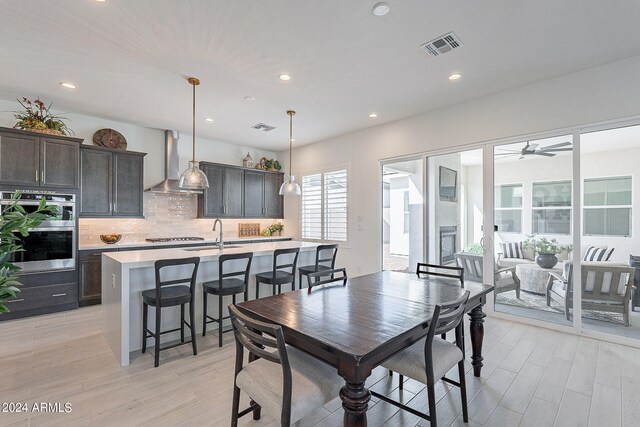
(443, 44)
(264, 127)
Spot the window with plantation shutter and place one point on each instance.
(335, 205)
(324, 206)
(312, 206)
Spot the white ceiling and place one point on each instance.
(129, 59)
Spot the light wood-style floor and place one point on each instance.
(532, 377)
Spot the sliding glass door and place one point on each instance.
(402, 214)
(533, 210)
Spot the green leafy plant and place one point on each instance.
(37, 115)
(276, 165)
(474, 248)
(14, 220)
(273, 228)
(542, 245)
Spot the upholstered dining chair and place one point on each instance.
(280, 379)
(429, 359)
(338, 276)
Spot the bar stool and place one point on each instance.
(225, 286)
(329, 252)
(277, 277)
(172, 295)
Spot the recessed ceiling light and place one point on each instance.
(101, 1)
(208, 119)
(373, 115)
(380, 9)
(68, 85)
(455, 76)
(250, 98)
(284, 77)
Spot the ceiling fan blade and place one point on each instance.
(555, 150)
(542, 153)
(550, 147)
(507, 152)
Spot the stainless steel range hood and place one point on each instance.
(172, 167)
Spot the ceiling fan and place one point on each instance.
(532, 150)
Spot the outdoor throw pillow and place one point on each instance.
(597, 254)
(512, 250)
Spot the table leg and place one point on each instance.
(355, 401)
(477, 335)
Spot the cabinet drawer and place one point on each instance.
(43, 296)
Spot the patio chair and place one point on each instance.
(605, 287)
(505, 279)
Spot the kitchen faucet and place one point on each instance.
(220, 238)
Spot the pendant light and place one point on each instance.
(193, 178)
(290, 187)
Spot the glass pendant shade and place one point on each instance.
(290, 187)
(193, 178)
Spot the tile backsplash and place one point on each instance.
(166, 215)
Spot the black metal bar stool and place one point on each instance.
(170, 293)
(278, 277)
(324, 254)
(227, 284)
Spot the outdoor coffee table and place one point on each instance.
(534, 278)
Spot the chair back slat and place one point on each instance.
(604, 282)
(313, 282)
(248, 256)
(326, 254)
(450, 272)
(255, 336)
(451, 314)
(166, 263)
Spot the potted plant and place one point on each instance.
(37, 117)
(273, 230)
(546, 250)
(14, 220)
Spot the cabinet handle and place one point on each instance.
(115, 206)
(59, 295)
(16, 300)
(44, 179)
(36, 175)
(224, 209)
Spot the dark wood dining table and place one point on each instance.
(358, 326)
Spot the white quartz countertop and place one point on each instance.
(146, 258)
(142, 243)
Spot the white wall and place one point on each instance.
(603, 93)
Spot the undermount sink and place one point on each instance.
(206, 248)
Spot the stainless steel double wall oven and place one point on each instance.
(52, 245)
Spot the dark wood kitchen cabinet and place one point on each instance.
(111, 183)
(90, 276)
(253, 194)
(38, 160)
(236, 192)
(273, 203)
(224, 197)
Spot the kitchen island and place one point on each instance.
(125, 274)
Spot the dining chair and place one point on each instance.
(433, 270)
(278, 276)
(325, 260)
(170, 293)
(306, 382)
(315, 278)
(227, 284)
(429, 359)
(456, 273)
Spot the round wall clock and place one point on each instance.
(110, 138)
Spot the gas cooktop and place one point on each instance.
(173, 239)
